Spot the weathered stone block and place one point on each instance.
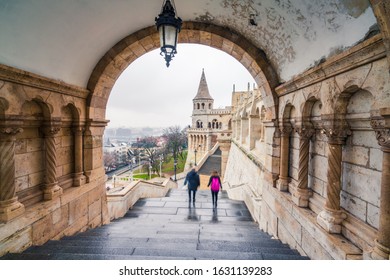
(94, 209)
(42, 230)
(21, 183)
(317, 185)
(78, 208)
(17, 242)
(21, 146)
(28, 163)
(34, 144)
(373, 215)
(285, 235)
(312, 248)
(376, 158)
(67, 141)
(355, 155)
(97, 221)
(67, 169)
(354, 205)
(318, 166)
(35, 179)
(365, 138)
(362, 182)
(318, 147)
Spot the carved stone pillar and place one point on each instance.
(382, 241)
(302, 193)
(10, 207)
(332, 216)
(283, 181)
(79, 178)
(51, 189)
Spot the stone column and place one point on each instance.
(382, 241)
(254, 130)
(10, 207)
(332, 216)
(302, 193)
(79, 178)
(51, 189)
(244, 129)
(283, 181)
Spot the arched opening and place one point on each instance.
(360, 173)
(130, 48)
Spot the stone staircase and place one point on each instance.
(167, 228)
(213, 162)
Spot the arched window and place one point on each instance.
(215, 124)
(202, 106)
(198, 106)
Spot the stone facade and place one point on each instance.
(51, 184)
(329, 144)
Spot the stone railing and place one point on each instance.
(206, 156)
(121, 199)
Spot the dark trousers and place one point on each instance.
(214, 196)
(193, 195)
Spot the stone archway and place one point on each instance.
(119, 57)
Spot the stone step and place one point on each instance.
(166, 228)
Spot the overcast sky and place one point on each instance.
(148, 94)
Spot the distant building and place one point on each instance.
(207, 123)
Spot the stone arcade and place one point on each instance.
(309, 151)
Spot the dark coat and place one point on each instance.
(193, 180)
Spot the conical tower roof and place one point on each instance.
(203, 90)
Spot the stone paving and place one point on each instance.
(167, 228)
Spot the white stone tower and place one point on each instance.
(207, 123)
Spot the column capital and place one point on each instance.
(382, 132)
(78, 129)
(336, 131)
(304, 131)
(50, 129)
(10, 132)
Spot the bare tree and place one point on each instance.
(176, 141)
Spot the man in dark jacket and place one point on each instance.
(193, 181)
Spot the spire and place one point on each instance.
(203, 90)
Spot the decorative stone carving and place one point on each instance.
(302, 193)
(331, 218)
(79, 178)
(382, 133)
(382, 242)
(10, 207)
(51, 189)
(283, 181)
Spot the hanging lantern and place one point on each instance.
(169, 27)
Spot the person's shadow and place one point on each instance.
(192, 214)
(214, 218)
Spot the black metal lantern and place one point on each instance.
(169, 27)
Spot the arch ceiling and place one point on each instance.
(65, 40)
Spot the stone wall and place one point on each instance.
(326, 154)
(50, 186)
